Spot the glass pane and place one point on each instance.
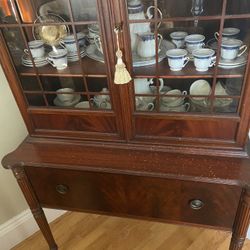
(51, 11)
(35, 100)
(15, 43)
(140, 10)
(30, 83)
(56, 83)
(189, 8)
(7, 12)
(233, 86)
(186, 95)
(225, 105)
(101, 98)
(65, 98)
(84, 10)
(234, 50)
(52, 54)
(238, 7)
(145, 103)
(97, 84)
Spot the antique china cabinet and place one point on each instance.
(170, 145)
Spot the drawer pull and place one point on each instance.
(196, 204)
(62, 189)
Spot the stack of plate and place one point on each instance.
(39, 62)
(230, 64)
(73, 56)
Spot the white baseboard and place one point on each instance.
(22, 226)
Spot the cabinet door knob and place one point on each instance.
(62, 189)
(196, 204)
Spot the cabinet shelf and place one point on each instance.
(188, 72)
(91, 68)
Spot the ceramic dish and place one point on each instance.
(50, 34)
(58, 103)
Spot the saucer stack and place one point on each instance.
(73, 56)
(39, 62)
(230, 64)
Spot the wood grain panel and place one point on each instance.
(87, 123)
(153, 198)
(222, 129)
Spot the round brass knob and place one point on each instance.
(196, 204)
(62, 189)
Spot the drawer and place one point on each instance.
(147, 197)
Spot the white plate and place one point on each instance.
(95, 54)
(231, 67)
(58, 103)
(238, 61)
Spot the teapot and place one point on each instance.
(142, 86)
(136, 12)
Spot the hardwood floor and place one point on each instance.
(79, 231)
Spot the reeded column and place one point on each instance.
(241, 222)
(34, 205)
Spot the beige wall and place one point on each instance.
(12, 132)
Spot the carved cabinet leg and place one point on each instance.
(241, 223)
(34, 205)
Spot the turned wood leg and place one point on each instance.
(241, 222)
(34, 205)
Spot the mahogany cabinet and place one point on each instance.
(170, 145)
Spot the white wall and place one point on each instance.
(12, 132)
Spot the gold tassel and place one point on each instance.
(122, 75)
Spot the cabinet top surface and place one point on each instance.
(132, 161)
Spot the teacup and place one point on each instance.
(146, 44)
(177, 59)
(143, 104)
(98, 43)
(36, 48)
(65, 94)
(181, 108)
(173, 98)
(232, 48)
(200, 87)
(178, 38)
(204, 59)
(69, 43)
(228, 33)
(58, 59)
(194, 41)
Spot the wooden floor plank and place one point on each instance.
(81, 231)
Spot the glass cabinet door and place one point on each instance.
(59, 52)
(188, 61)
